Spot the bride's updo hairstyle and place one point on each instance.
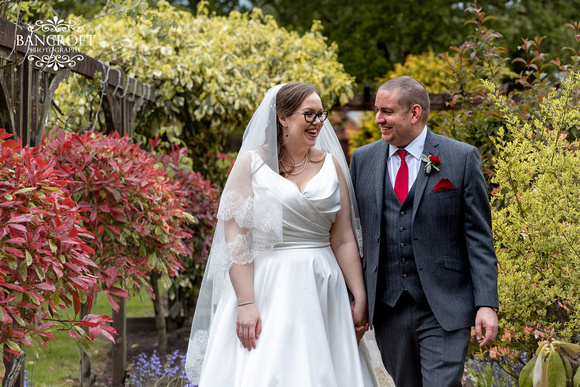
(288, 99)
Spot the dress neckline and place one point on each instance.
(312, 178)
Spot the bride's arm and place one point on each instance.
(248, 323)
(345, 249)
(238, 221)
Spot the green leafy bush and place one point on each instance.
(536, 218)
(209, 72)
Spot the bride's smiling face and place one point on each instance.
(300, 132)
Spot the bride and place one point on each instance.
(274, 308)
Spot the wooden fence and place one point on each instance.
(27, 87)
(365, 101)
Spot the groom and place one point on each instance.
(429, 262)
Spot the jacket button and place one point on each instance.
(374, 268)
(402, 245)
(404, 276)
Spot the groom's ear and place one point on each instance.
(416, 113)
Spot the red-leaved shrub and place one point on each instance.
(133, 209)
(201, 201)
(45, 263)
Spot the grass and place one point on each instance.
(58, 364)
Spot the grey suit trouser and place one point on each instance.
(416, 351)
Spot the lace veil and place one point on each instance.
(251, 226)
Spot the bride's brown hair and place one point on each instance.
(288, 99)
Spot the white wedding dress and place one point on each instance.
(308, 337)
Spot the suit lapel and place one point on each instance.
(430, 148)
(382, 154)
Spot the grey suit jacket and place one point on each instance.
(452, 239)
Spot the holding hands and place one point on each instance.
(360, 318)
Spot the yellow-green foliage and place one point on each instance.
(427, 68)
(211, 72)
(536, 217)
(367, 133)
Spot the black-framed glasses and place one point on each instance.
(311, 116)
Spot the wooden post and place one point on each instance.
(84, 359)
(159, 316)
(14, 376)
(120, 345)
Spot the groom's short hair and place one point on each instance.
(409, 92)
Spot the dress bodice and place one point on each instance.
(306, 216)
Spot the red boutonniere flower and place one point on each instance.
(432, 161)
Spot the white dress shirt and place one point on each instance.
(412, 158)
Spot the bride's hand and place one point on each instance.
(360, 318)
(359, 313)
(248, 325)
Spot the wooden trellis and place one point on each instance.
(27, 86)
(27, 89)
(365, 101)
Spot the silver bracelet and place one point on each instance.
(246, 303)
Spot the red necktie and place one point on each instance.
(402, 179)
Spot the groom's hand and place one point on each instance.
(486, 318)
(360, 332)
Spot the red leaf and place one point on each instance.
(82, 284)
(114, 229)
(73, 233)
(46, 286)
(108, 335)
(119, 292)
(73, 334)
(18, 288)
(6, 318)
(90, 297)
(10, 203)
(29, 305)
(16, 240)
(104, 208)
(87, 248)
(20, 219)
(18, 227)
(120, 216)
(47, 335)
(88, 323)
(114, 304)
(77, 302)
(97, 173)
(111, 275)
(12, 351)
(14, 251)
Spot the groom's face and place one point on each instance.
(398, 127)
